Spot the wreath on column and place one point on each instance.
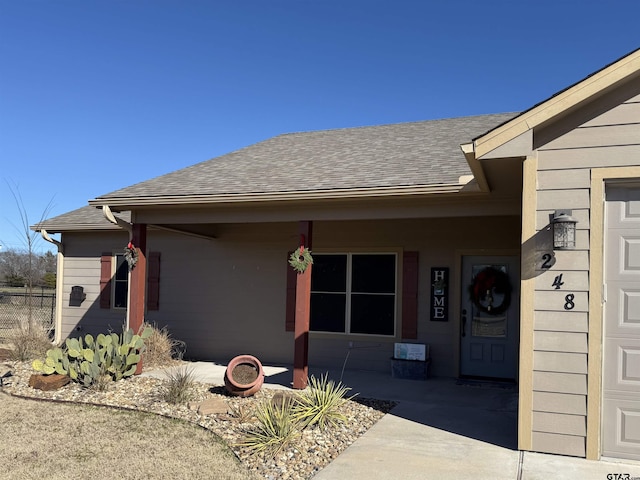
(131, 255)
(488, 284)
(301, 259)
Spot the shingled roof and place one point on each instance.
(84, 218)
(400, 155)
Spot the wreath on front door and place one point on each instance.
(489, 285)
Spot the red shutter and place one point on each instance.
(153, 281)
(290, 315)
(105, 280)
(410, 295)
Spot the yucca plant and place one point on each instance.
(276, 429)
(320, 403)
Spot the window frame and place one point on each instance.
(349, 292)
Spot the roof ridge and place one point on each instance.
(382, 125)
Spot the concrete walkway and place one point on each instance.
(440, 429)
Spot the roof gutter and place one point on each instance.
(45, 235)
(328, 194)
(108, 214)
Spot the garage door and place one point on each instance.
(621, 367)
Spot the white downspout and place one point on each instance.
(59, 283)
(108, 214)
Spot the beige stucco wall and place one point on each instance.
(560, 353)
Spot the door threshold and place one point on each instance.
(487, 382)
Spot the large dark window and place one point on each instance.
(353, 293)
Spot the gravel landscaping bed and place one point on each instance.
(309, 453)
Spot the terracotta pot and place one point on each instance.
(243, 389)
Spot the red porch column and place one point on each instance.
(138, 281)
(303, 310)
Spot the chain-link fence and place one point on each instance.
(22, 308)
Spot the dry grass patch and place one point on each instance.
(28, 343)
(62, 441)
(161, 349)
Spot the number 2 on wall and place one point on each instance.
(547, 260)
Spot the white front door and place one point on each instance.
(621, 349)
(489, 323)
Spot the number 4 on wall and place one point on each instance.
(557, 282)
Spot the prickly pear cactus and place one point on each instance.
(86, 361)
(54, 362)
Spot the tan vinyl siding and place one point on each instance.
(562, 321)
(614, 156)
(602, 136)
(579, 279)
(564, 179)
(573, 199)
(560, 423)
(561, 342)
(627, 113)
(560, 403)
(573, 445)
(559, 383)
(82, 268)
(581, 215)
(560, 362)
(555, 300)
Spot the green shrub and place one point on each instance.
(49, 280)
(320, 403)
(276, 429)
(179, 385)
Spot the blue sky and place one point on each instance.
(97, 95)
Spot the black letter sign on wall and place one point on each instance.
(439, 294)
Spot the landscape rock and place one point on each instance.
(283, 398)
(212, 405)
(48, 382)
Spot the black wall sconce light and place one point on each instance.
(564, 230)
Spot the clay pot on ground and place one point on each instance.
(244, 376)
